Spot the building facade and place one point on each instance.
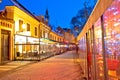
(69, 40)
(25, 36)
(99, 42)
(26, 33)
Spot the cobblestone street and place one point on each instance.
(60, 67)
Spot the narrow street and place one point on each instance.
(59, 67)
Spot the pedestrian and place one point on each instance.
(76, 54)
(77, 49)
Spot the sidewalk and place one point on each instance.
(13, 66)
(59, 67)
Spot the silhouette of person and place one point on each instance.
(76, 53)
(77, 48)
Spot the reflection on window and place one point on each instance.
(112, 40)
(98, 50)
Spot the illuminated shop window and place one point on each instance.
(112, 39)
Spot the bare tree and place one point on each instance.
(80, 19)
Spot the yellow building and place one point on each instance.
(28, 35)
(59, 42)
(26, 31)
(45, 46)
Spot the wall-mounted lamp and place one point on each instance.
(24, 26)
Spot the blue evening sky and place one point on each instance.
(60, 11)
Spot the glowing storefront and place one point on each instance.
(111, 20)
(26, 47)
(26, 34)
(28, 39)
(103, 44)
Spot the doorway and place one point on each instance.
(5, 35)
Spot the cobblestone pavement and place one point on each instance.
(60, 67)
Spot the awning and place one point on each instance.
(49, 41)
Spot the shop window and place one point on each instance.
(112, 39)
(98, 49)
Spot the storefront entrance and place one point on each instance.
(5, 45)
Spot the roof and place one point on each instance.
(5, 3)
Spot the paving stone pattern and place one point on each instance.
(60, 67)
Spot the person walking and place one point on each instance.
(76, 55)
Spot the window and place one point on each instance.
(40, 33)
(58, 39)
(28, 27)
(55, 38)
(44, 34)
(20, 25)
(35, 31)
(51, 37)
